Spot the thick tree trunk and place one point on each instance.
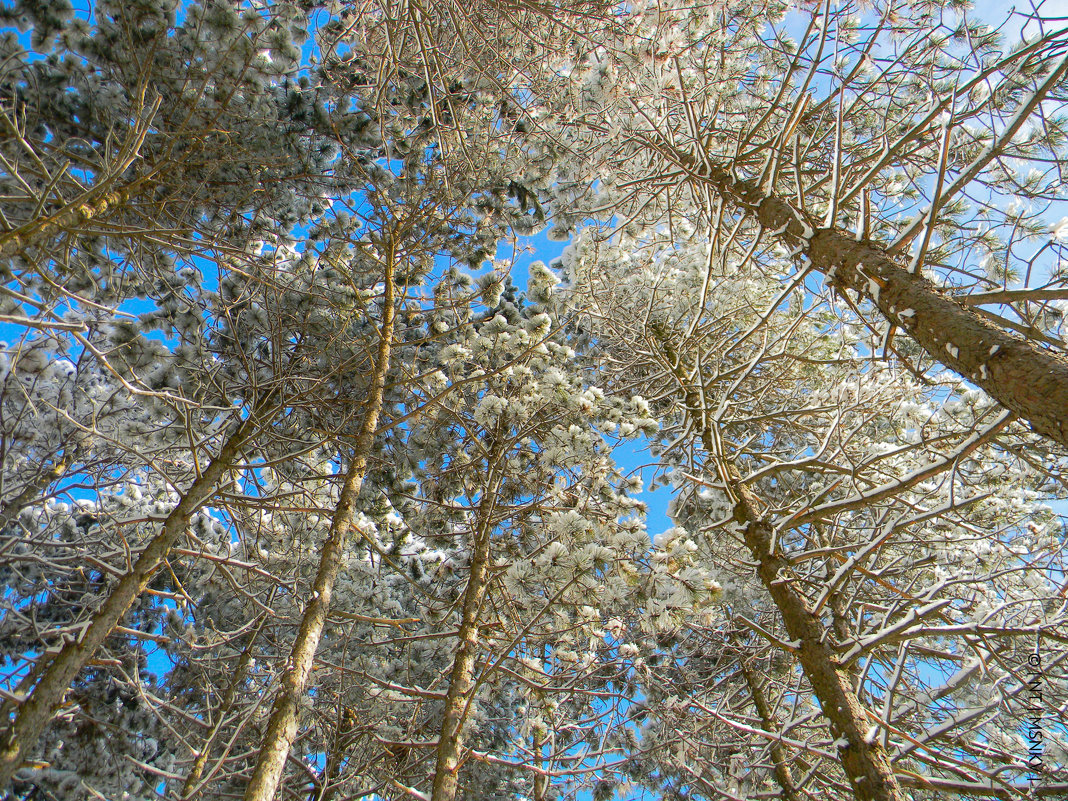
(462, 678)
(282, 726)
(36, 711)
(1022, 376)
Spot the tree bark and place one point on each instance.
(783, 775)
(282, 725)
(865, 763)
(462, 677)
(1022, 376)
(541, 780)
(36, 711)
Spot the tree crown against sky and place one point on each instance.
(307, 492)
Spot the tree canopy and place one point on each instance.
(311, 485)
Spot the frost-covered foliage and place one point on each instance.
(207, 209)
(505, 459)
(921, 542)
(903, 507)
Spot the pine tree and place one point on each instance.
(303, 497)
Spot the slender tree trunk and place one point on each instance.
(863, 759)
(541, 780)
(36, 711)
(462, 678)
(1019, 374)
(783, 775)
(864, 762)
(539, 740)
(192, 780)
(282, 726)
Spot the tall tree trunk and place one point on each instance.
(191, 785)
(282, 726)
(864, 762)
(541, 780)
(36, 711)
(462, 677)
(1019, 374)
(783, 775)
(1022, 376)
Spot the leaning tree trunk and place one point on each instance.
(865, 763)
(783, 776)
(36, 711)
(1023, 377)
(282, 726)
